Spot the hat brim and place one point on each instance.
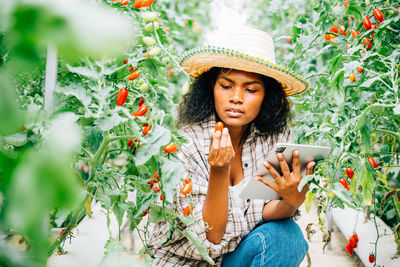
(200, 60)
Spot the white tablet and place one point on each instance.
(258, 190)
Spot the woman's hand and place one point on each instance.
(286, 185)
(221, 149)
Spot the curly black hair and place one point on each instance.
(198, 104)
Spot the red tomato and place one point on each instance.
(137, 3)
(334, 29)
(342, 30)
(352, 77)
(360, 70)
(162, 197)
(146, 3)
(144, 214)
(355, 237)
(371, 257)
(170, 74)
(349, 172)
(349, 249)
(373, 27)
(134, 75)
(146, 129)
(346, 3)
(186, 189)
(141, 111)
(378, 14)
(373, 162)
(156, 189)
(367, 43)
(170, 148)
(132, 68)
(124, 2)
(141, 102)
(188, 181)
(187, 210)
(122, 96)
(219, 126)
(130, 143)
(125, 61)
(343, 182)
(355, 33)
(352, 242)
(366, 23)
(156, 176)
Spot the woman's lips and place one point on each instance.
(234, 113)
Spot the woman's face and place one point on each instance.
(238, 96)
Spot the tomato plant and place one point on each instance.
(353, 103)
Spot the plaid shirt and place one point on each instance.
(179, 251)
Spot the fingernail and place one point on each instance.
(225, 130)
(217, 133)
(296, 152)
(279, 155)
(266, 164)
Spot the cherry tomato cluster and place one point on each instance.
(134, 145)
(352, 244)
(336, 31)
(154, 181)
(187, 187)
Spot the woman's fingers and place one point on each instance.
(230, 153)
(214, 148)
(310, 167)
(223, 144)
(272, 171)
(296, 164)
(271, 184)
(284, 166)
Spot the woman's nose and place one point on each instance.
(237, 96)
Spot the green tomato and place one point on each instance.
(155, 51)
(149, 41)
(149, 27)
(142, 81)
(149, 16)
(144, 87)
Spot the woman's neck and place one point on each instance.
(236, 134)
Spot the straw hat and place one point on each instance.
(246, 49)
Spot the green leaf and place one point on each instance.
(94, 138)
(307, 179)
(364, 176)
(109, 122)
(171, 175)
(156, 215)
(366, 137)
(308, 201)
(153, 142)
(199, 245)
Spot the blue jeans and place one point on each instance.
(275, 243)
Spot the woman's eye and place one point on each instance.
(251, 90)
(225, 86)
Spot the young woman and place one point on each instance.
(240, 85)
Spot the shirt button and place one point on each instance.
(246, 165)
